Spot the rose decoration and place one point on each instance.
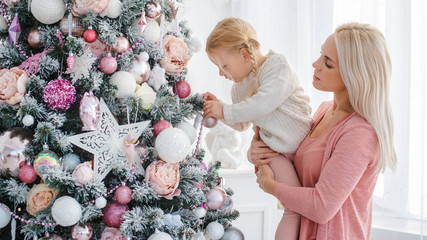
(11, 2)
(164, 178)
(83, 7)
(39, 198)
(13, 85)
(110, 233)
(175, 54)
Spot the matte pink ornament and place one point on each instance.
(159, 126)
(81, 232)
(209, 122)
(216, 198)
(71, 61)
(27, 174)
(123, 195)
(182, 89)
(113, 212)
(108, 65)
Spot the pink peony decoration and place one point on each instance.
(13, 85)
(11, 2)
(59, 94)
(175, 54)
(110, 233)
(83, 7)
(164, 178)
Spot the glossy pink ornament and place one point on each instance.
(122, 44)
(81, 232)
(123, 195)
(34, 38)
(71, 61)
(89, 111)
(153, 10)
(113, 212)
(14, 30)
(108, 64)
(59, 94)
(209, 122)
(142, 23)
(204, 166)
(159, 126)
(216, 198)
(182, 89)
(110, 233)
(90, 35)
(27, 174)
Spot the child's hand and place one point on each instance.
(213, 109)
(209, 97)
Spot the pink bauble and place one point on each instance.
(108, 64)
(123, 195)
(90, 36)
(182, 89)
(59, 94)
(27, 174)
(153, 10)
(216, 198)
(81, 232)
(34, 38)
(159, 126)
(122, 44)
(209, 122)
(204, 166)
(113, 212)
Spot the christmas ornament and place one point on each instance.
(125, 84)
(28, 120)
(209, 122)
(204, 166)
(83, 173)
(3, 23)
(110, 233)
(89, 111)
(12, 145)
(160, 236)
(113, 212)
(70, 161)
(198, 236)
(215, 198)
(153, 10)
(48, 11)
(31, 65)
(182, 89)
(121, 45)
(146, 95)
(81, 232)
(200, 212)
(44, 160)
(172, 145)
(228, 205)
(51, 237)
(4, 215)
(66, 211)
(215, 230)
(172, 220)
(83, 7)
(123, 195)
(11, 3)
(59, 94)
(100, 202)
(14, 30)
(164, 178)
(142, 23)
(189, 130)
(90, 35)
(71, 61)
(196, 45)
(13, 85)
(108, 64)
(27, 174)
(175, 54)
(114, 9)
(34, 38)
(157, 77)
(233, 233)
(83, 65)
(97, 48)
(140, 69)
(76, 26)
(159, 126)
(152, 31)
(39, 198)
(103, 143)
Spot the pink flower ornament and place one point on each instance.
(175, 54)
(164, 178)
(13, 85)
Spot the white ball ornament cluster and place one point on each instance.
(125, 83)
(48, 11)
(215, 230)
(66, 211)
(172, 145)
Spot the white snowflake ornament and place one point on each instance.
(157, 77)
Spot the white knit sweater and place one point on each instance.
(279, 106)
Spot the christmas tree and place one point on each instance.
(99, 130)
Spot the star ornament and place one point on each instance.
(107, 144)
(14, 30)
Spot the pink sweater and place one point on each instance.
(339, 205)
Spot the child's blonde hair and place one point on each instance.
(365, 68)
(234, 34)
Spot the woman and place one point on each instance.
(350, 142)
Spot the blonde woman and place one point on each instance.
(350, 142)
(266, 93)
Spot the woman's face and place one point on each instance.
(233, 65)
(327, 76)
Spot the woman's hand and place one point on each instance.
(259, 153)
(213, 109)
(209, 97)
(265, 179)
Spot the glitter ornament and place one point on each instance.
(4, 215)
(200, 212)
(125, 83)
(172, 145)
(27, 174)
(48, 11)
(108, 64)
(34, 38)
(182, 89)
(233, 233)
(123, 195)
(81, 232)
(76, 26)
(59, 94)
(28, 120)
(71, 61)
(90, 35)
(122, 45)
(160, 236)
(83, 173)
(66, 211)
(209, 122)
(215, 198)
(188, 129)
(70, 161)
(45, 160)
(89, 111)
(159, 126)
(100, 202)
(153, 10)
(215, 230)
(113, 212)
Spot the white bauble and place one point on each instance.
(215, 230)
(125, 83)
(4, 215)
(198, 236)
(152, 31)
(48, 11)
(70, 161)
(3, 23)
(114, 9)
(188, 129)
(200, 212)
(28, 120)
(100, 202)
(160, 236)
(172, 145)
(196, 44)
(66, 211)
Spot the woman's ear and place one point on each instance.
(246, 56)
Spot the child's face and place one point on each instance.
(234, 65)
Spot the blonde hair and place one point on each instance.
(365, 67)
(235, 34)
